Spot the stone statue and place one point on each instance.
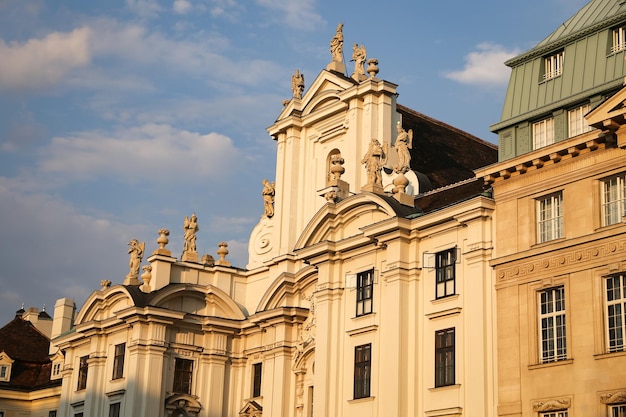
(374, 160)
(190, 228)
(336, 45)
(135, 251)
(268, 197)
(404, 142)
(359, 56)
(297, 84)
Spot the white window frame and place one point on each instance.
(543, 133)
(576, 122)
(615, 306)
(617, 410)
(5, 373)
(561, 413)
(551, 324)
(613, 199)
(549, 211)
(619, 39)
(553, 66)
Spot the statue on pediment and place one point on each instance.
(190, 227)
(374, 160)
(269, 190)
(135, 250)
(359, 55)
(297, 84)
(336, 45)
(404, 142)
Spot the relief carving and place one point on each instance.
(552, 405)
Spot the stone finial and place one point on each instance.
(372, 67)
(336, 168)
(190, 228)
(146, 277)
(105, 283)
(135, 250)
(336, 51)
(207, 260)
(162, 240)
(222, 252)
(269, 190)
(297, 84)
(374, 160)
(358, 56)
(404, 142)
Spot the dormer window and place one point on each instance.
(553, 66)
(619, 39)
(5, 367)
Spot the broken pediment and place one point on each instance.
(610, 114)
(251, 409)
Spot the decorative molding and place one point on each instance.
(610, 398)
(552, 405)
(445, 313)
(561, 260)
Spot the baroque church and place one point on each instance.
(413, 269)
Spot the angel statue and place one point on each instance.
(404, 142)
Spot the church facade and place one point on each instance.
(368, 288)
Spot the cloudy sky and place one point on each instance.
(118, 118)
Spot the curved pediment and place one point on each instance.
(198, 299)
(284, 291)
(102, 305)
(335, 222)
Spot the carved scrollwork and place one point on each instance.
(617, 397)
(552, 405)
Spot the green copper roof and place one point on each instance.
(592, 17)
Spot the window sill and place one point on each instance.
(361, 400)
(445, 299)
(551, 364)
(548, 242)
(363, 316)
(445, 388)
(609, 355)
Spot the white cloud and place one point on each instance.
(43, 62)
(182, 6)
(151, 152)
(298, 14)
(145, 8)
(485, 66)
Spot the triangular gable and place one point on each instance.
(251, 408)
(609, 114)
(327, 85)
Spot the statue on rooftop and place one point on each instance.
(404, 142)
(374, 160)
(358, 56)
(268, 197)
(336, 45)
(297, 84)
(135, 251)
(190, 227)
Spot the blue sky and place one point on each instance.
(118, 118)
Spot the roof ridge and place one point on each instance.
(447, 187)
(446, 125)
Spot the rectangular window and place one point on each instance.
(56, 369)
(75, 415)
(577, 122)
(617, 410)
(4, 372)
(52, 413)
(445, 271)
(615, 312)
(619, 39)
(444, 357)
(613, 199)
(555, 414)
(549, 217)
(118, 361)
(114, 410)
(364, 292)
(362, 370)
(553, 66)
(543, 133)
(257, 370)
(552, 340)
(183, 370)
(83, 367)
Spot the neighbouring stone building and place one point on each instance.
(560, 245)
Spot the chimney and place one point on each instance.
(63, 321)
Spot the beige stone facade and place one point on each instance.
(560, 275)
